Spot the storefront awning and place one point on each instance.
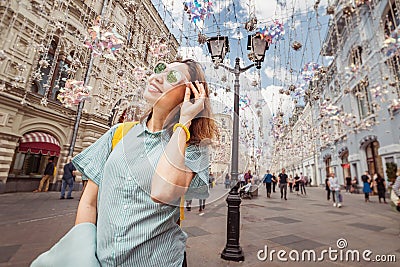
(39, 143)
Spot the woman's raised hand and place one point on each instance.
(189, 110)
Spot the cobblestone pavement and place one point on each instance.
(32, 222)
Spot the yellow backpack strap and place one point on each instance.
(182, 210)
(121, 131)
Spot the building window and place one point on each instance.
(363, 99)
(391, 18)
(328, 168)
(394, 67)
(355, 60)
(59, 75)
(223, 138)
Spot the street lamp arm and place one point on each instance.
(248, 67)
(232, 70)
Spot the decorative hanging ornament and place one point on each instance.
(330, 10)
(159, 49)
(139, 73)
(201, 39)
(198, 10)
(392, 43)
(103, 41)
(251, 24)
(244, 102)
(73, 93)
(309, 70)
(273, 32)
(296, 45)
(3, 55)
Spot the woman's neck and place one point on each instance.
(156, 122)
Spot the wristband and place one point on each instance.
(184, 128)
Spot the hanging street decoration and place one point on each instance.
(103, 41)
(309, 70)
(251, 24)
(198, 10)
(244, 101)
(73, 93)
(296, 45)
(159, 49)
(392, 43)
(273, 32)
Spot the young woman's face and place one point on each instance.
(166, 87)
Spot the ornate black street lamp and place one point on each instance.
(218, 47)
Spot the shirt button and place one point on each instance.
(125, 207)
(119, 239)
(141, 155)
(129, 178)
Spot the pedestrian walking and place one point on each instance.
(395, 194)
(381, 186)
(303, 182)
(68, 180)
(335, 188)
(283, 179)
(297, 184)
(202, 204)
(188, 204)
(348, 184)
(354, 185)
(47, 175)
(366, 178)
(327, 188)
(267, 180)
(274, 182)
(291, 182)
(227, 181)
(144, 176)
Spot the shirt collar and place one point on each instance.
(143, 129)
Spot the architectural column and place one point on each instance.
(8, 143)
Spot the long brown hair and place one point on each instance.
(203, 127)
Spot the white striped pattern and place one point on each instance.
(132, 230)
(38, 137)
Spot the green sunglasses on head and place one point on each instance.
(173, 76)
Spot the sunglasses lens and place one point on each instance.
(160, 67)
(173, 77)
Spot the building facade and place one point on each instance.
(353, 104)
(42, 46)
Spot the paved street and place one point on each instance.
(31, 223)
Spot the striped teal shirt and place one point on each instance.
(132, 230)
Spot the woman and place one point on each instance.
(381, 185)
(290, 182)
(296, 183)
(135, 190)
(366, 185)
(327, 188)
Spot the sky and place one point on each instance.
(282, 64)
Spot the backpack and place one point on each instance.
(120, 132)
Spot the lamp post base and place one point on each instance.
(233, 254)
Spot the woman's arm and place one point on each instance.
(172, 178)
(87, 209)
